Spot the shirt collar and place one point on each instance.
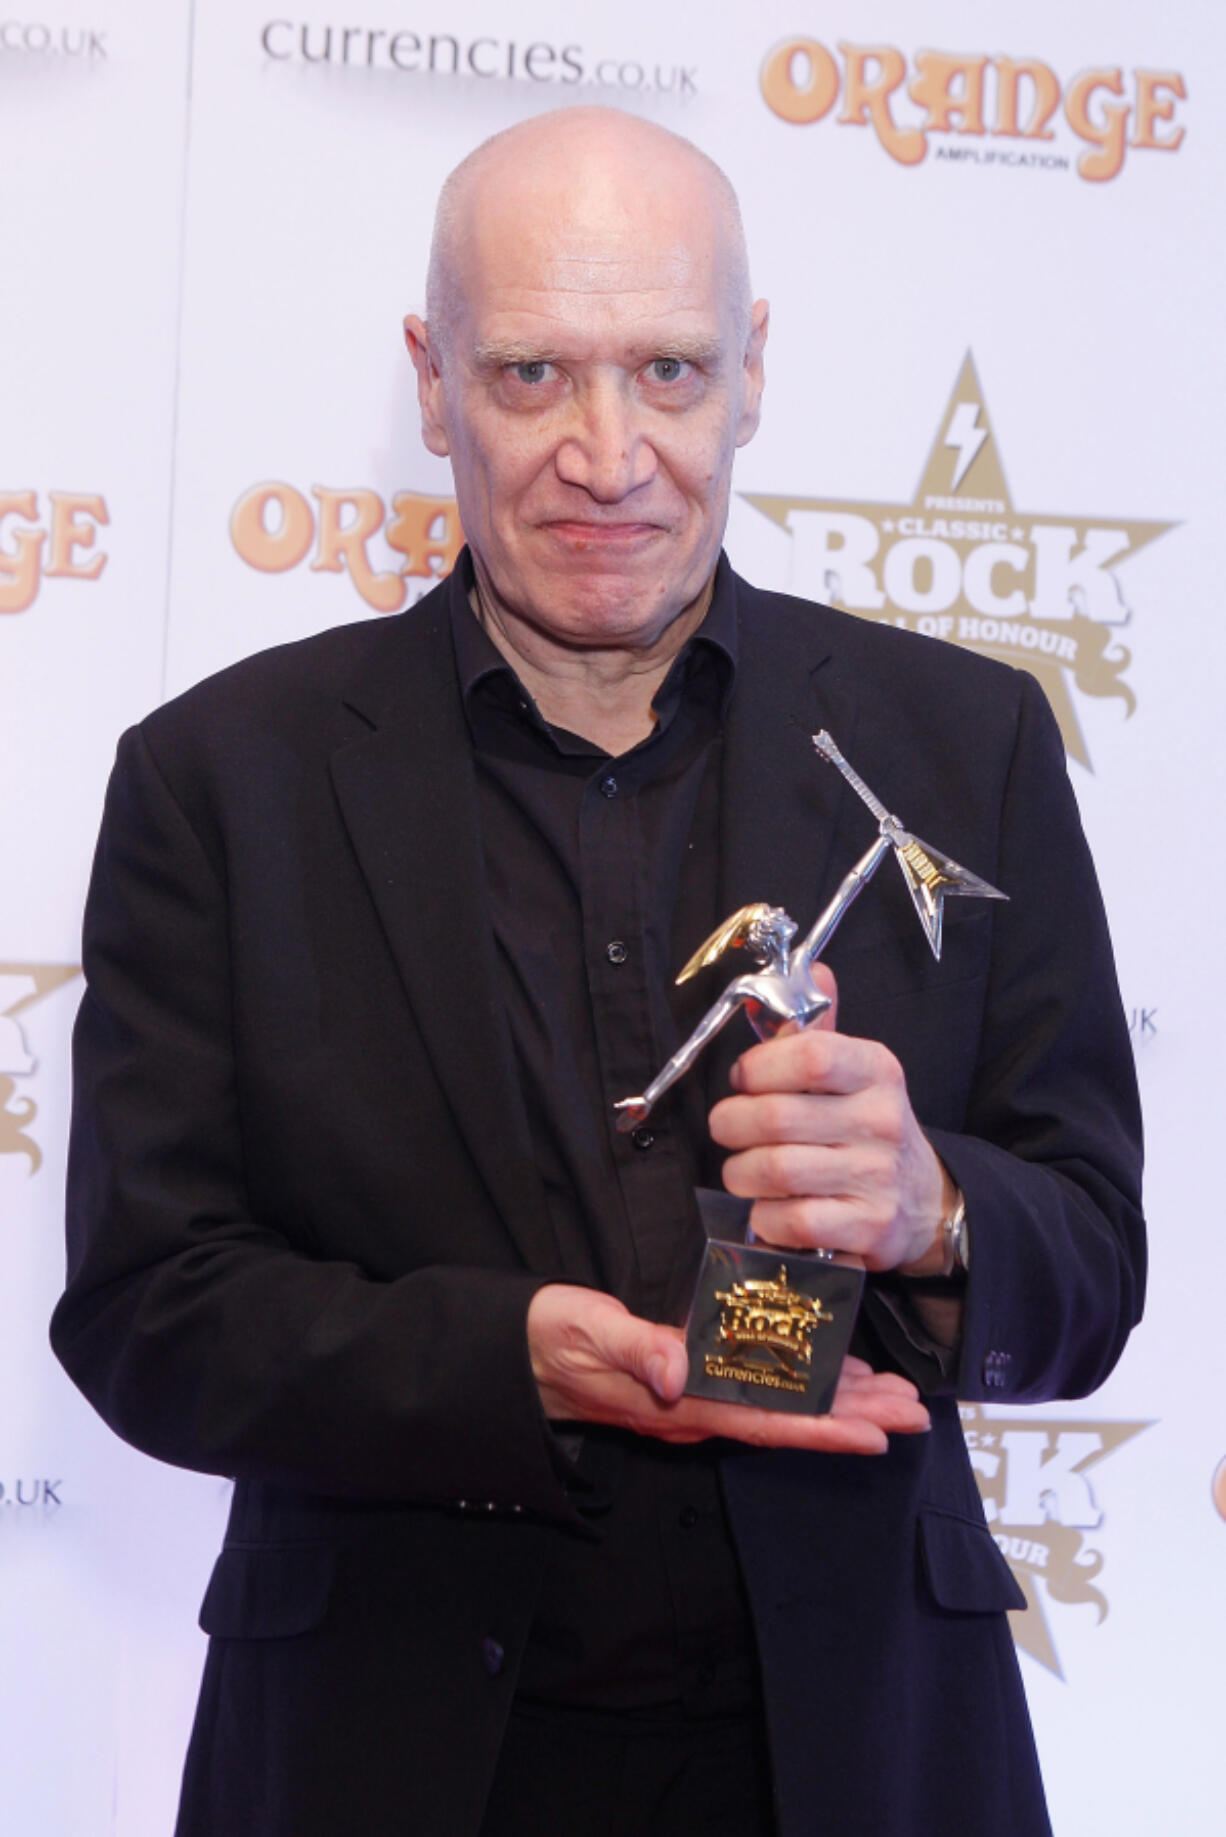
(479, 661)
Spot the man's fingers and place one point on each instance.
(799, 1116)
(842, 1225)
(833, 1434)
(809, 1171)
(783, 1116)
(866, 1411)
(814, 1059)
(823, 1138)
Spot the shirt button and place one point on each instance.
(616, 952)
(687, 1517)
(608, 786)
(643, 1138)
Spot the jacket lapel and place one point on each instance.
(788, 833)
(407, 791)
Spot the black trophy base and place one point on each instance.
(770, 1328)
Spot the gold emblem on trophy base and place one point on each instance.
(765, 1334)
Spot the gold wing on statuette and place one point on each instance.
(733, 934)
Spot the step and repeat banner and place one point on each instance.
(992, 238)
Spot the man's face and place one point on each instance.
(596, 378)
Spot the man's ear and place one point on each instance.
(430, 394)
(753, 375)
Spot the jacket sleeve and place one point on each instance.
(200, 1332)
(1049, 1158)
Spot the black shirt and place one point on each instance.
(602, 876)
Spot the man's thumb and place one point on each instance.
(660, 1362)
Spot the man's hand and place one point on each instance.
(594, 1361)
(827, 1145)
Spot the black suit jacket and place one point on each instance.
(305, 1227)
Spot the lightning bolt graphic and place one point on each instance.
(965, 437)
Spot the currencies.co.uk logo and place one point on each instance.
(40, 38)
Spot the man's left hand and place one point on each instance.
(827, 1146)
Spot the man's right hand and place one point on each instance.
(595, 1361)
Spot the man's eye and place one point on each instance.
(667, 369)
(534, 371)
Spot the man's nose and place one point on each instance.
(605, 450)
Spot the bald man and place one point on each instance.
(381, 926)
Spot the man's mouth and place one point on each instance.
(581, 534)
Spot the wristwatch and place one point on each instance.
(957, 1238)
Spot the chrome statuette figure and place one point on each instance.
(782, 988)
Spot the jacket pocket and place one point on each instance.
(965, 1571)
(268, 1591)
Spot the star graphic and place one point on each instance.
(1035, 1518)
(961, 562)
(21, 985)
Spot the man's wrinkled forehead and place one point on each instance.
(584, 264)
(531, 270)
(559, 266)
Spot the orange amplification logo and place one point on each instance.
(1010, 98)
(274, 527)
(37, 545)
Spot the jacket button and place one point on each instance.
(492, 1656)
(643, 1138)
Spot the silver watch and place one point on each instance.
(956, 1236)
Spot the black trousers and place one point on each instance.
(564, 1773)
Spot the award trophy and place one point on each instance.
(772, 1327)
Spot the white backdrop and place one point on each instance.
(211, 222)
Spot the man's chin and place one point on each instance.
(611, 605)
(609, 593)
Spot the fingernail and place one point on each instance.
(657, 1372)
(734, 1076)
